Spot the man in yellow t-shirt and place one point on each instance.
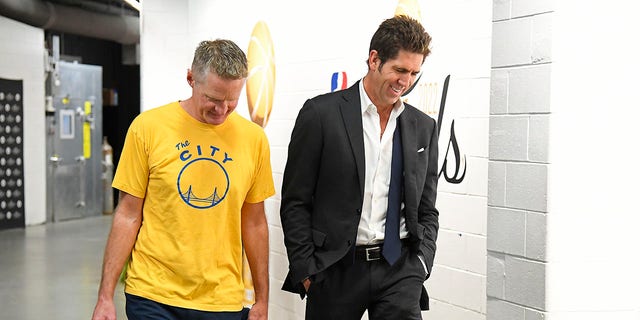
(193, 177)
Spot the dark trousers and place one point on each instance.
(344, 292)
(139, 308)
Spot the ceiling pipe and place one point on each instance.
(124, 29)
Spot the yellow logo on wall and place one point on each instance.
(409, 8)
(262, 74)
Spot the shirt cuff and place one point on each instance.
(424, 265)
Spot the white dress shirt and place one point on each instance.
(377, 154)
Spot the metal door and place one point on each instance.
(74, 145)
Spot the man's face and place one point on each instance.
(387, 84)
(215, 98)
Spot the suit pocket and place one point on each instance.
(319, 238)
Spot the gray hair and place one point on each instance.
(222, 57)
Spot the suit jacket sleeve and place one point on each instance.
(427, 212)
(299, 181)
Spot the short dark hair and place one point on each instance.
(400, 33)
(220, 56)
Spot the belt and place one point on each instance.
(373, 252)
(369, 252)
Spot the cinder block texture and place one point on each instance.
(508, 137)
(530, 89)
(463, 251)
(520, 8)
(272, 212)
(474, 295)
(506, 231)
(538, 146)
(526, 186)
(276, 240)
(464, 213)
(497, 183)
(499, 99)
(278, 159)
(518, 159)
(501, 10)
(536, 236)
(511, 43)
(278, 266)
(443, 310)
(525, 282)
(541, 37)
(477, 169)
(534, 315)
(502, 310)
(495, 275)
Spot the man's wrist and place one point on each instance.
(306, 282)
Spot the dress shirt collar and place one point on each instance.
(366, 104)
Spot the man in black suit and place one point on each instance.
(359, 190)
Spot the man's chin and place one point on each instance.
(216, 120)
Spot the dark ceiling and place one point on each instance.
(117, 7)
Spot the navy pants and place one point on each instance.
(139, 308)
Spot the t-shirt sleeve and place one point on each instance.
(262, 187)
(132, 174)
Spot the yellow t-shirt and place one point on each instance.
(194, 178)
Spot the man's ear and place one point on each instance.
(373, 60)
(190, 79)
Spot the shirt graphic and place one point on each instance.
(203, 181)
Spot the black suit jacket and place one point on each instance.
(323, 184)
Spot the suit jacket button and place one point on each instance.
(349, 242)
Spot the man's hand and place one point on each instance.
(259, 311)
(105, 310)
(306, 283)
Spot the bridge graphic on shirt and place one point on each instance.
(213, 199)
(203, 183)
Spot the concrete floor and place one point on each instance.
(52, 271)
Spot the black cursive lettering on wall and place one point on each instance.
(453, 143)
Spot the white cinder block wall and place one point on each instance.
(518, 159)
(22, 55)
(324, 37)
(562, 226)
(461, 46)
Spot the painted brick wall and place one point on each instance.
(333, 36)
(461, 48)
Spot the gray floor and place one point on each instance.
(52, 271)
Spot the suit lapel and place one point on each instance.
(352, 118)
(408, 131)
